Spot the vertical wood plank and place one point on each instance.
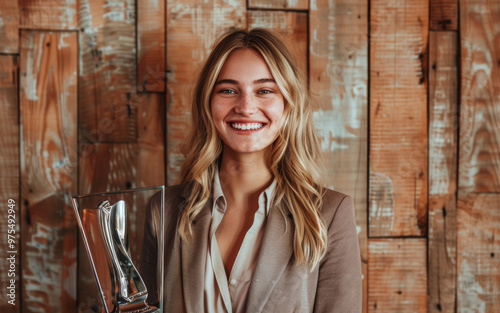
(291, 26)
(444, 14)
(48, 14)
(279, 4)
(9, 185)
(478, 257)
(398, 275)
(443, 132)
(398, 118)
(338, 65)
(9, 27)
(480, 96)
(48, 170)
(107, 84)
(192, 27)
(151, 45)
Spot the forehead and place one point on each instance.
(245, 62)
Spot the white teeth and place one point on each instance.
(246, 126)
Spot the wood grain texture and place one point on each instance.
(191, 27)
(48, 14)
(151, 74)
(397, 270)
(338, 65)
(478, 253)
(398, 118)
(291, 26)
(107, 77)
(279, 4)
(9, 182)
(9, 27)
(480, 96)
(48, 111)
(444, 14)
(443, 132)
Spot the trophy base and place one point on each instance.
(148, 309)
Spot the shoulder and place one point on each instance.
(333, 203)
(174, 196)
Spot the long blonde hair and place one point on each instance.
(295, 153)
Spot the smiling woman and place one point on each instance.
(251, 227)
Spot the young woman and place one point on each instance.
(251, 228)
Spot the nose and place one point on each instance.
(246, 104)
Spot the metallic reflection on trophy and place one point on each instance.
(128, 288)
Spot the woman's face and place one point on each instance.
(247, 105)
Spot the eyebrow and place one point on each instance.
(257, 81)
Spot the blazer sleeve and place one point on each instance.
(340, 277)
(149, 252)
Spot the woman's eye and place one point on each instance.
(264, 91)
(228, 91)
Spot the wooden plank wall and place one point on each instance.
(95, 97)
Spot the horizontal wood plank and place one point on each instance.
(480, 96)
(48, 14)
(398, 118)
(478, 253)
(443, 133)
(192, 27)
(49, 159)
(151, 73)
(9, 185)
(397, 270)
(9, 27)
(279, 4)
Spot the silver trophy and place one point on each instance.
(107, 223)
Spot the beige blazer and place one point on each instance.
(277, 284)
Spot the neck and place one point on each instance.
(244, 175)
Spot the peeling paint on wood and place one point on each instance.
(48, 170)
(9, 27)
(478, 257)
(443, 132)
(48, 14)
(338, 76)
(151, 74)
(479, 164)
(398, 113)
(291, 26)
(191, 31)
(9, 179)
(444, 14)
(107, 85)
(397, 270)
(279, 4)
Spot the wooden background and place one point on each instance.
(94, 97)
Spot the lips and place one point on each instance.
(246, 126)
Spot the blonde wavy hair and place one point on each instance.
(294, 160)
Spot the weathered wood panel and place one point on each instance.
(191, 27)
(291, 26)
(107, 82)
(279, 4)
(48, 111)
(397, 270)
(9, 27)
(443, 132)
(480, 96)
(398, 118)
(48, 14)
(444, 14)
(338, 64)
(151, 45)
(9, 185)
(478, 257)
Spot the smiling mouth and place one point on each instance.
(246, 126)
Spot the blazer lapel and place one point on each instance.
(274, 256)
(193, 258)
